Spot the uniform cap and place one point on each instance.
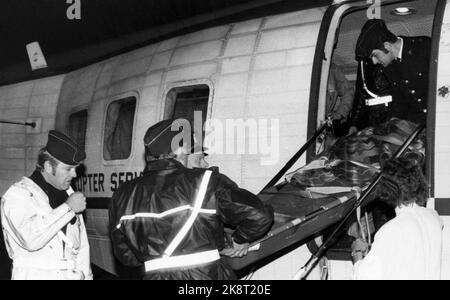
(158, 138)
(373, 35)
(64, 149)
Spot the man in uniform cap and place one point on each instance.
(170, 222)
(42, 223)
(405, 63)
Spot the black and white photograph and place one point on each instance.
(238, 143)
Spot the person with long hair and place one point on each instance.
(410, 245)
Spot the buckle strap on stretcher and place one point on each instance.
(53, 264)
(180, 261)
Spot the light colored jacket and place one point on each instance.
(33, 236)
(407, 247)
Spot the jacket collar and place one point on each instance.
(162, 164)
(405, 208)
(55, 197)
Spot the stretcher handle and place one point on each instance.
(314, 259)
(297, 155)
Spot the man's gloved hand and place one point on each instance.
(238, 250)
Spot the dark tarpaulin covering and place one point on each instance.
(352, 161)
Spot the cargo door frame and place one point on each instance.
(442, 206)
(321, 65)
(319, 79)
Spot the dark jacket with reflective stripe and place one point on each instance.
(166, 185)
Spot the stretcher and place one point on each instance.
(296, 218)
(328, 190)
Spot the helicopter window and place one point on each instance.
(119, 129)
(184, 102)
(77, 127)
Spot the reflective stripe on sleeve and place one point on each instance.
(180, 261)
(164, 214)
